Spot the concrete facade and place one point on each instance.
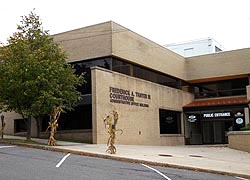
(239, 140)
(112, 39)
(140, 121)
(131, 46)
(86, 43)
(247, 117)
(9, 119)
(223, 65)
(140, 125)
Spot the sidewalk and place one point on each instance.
(214, 159)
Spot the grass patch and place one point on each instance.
(23, 141)
(246, 128)
(74, 141)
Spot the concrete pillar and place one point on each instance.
(94, 105)
(248, 92)
(182, 123)
(247, 114)
(247, 118)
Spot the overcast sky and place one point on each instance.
(162, 21)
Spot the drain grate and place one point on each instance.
(193, 155)
(165, 155)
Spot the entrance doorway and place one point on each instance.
(209, 126)
(209, 131)
(215, 132)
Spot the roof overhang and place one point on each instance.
(218, 102)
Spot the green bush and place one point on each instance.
(246, 128)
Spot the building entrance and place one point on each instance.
(211, 127)
(215, 132)
(209, 132)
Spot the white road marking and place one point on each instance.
(63, 159)
(1, 147)
(156, 171)
(241, 178)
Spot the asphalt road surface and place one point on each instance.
(18, 163)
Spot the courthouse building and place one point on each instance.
(161, 97)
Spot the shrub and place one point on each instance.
(246, 128)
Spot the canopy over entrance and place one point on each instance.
(218, 102)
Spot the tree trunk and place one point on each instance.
(53, 124)
(38, 126)
(28, 137)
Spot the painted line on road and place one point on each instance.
(156, 171)
(63, 159)
(241, 178)
(1, 147)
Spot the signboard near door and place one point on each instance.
(211, 127)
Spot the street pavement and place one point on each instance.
(214, 159)
(22, 163)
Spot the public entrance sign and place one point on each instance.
(216, 115)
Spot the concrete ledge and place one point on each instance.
(79, 135)
(238, 132)
(172, 139)
(239, 140)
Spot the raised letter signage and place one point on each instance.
(124, 96)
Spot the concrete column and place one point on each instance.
(182, 123)
(94, 105)
(248, 91)
(246, 112)
(131, 69)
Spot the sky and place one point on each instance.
(162, 21)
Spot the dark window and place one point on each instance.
(170, 122)
(80, 118)
(154, 77)
(20, 125)
(233, 87)
(84, 67)
(121, 66)
(145, 73)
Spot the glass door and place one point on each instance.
(214, 132)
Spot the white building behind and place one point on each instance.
(196, 47)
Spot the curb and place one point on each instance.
(81, 153)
